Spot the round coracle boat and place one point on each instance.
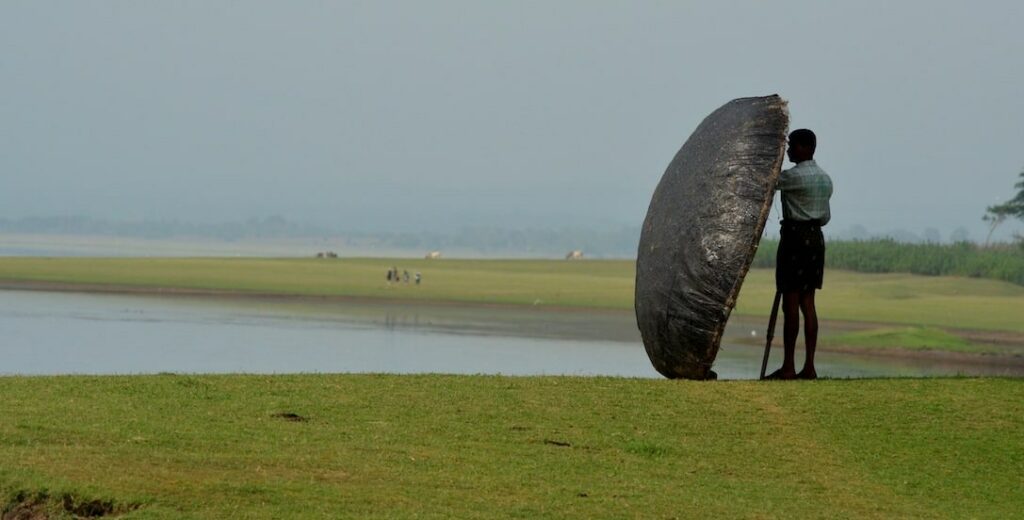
(701, 232)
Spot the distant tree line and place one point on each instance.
(268, 227)
(999, 262)
(552, 242)
(595, 243)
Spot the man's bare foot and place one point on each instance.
(807, 374)
(782, 374)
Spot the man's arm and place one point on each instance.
(786, 180)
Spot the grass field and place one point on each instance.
(911, 338)
(902, 299)
(484, 447)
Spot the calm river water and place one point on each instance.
(67, 333)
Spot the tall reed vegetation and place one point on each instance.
(999, 262)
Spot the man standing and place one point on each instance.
(800, 263)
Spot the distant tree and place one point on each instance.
(857, 232)
(1014, 207)
(959, 234)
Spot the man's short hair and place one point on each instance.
(804, 137)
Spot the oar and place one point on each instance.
(771, 332)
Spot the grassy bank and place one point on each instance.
(902, 299)
(911, 338)
(484, 447)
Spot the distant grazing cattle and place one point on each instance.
(433, 255)
(574, 255)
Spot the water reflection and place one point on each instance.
(65, 333)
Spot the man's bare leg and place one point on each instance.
(810, 334)
(790, 330)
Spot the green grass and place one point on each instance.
(908, 338)
(527, 282)
(902, 299)
(485, 447)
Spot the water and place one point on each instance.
(67, 333)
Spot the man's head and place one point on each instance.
(802, 143)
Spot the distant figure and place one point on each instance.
(405, 276)
(389, 276)
(574, 255)
(418, 277)
(433, 255)
(800, 263)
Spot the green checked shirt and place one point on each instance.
(805, 189)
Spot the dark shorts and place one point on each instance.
(800, 263)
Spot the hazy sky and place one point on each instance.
(436, 115)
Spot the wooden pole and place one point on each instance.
(771, 332)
